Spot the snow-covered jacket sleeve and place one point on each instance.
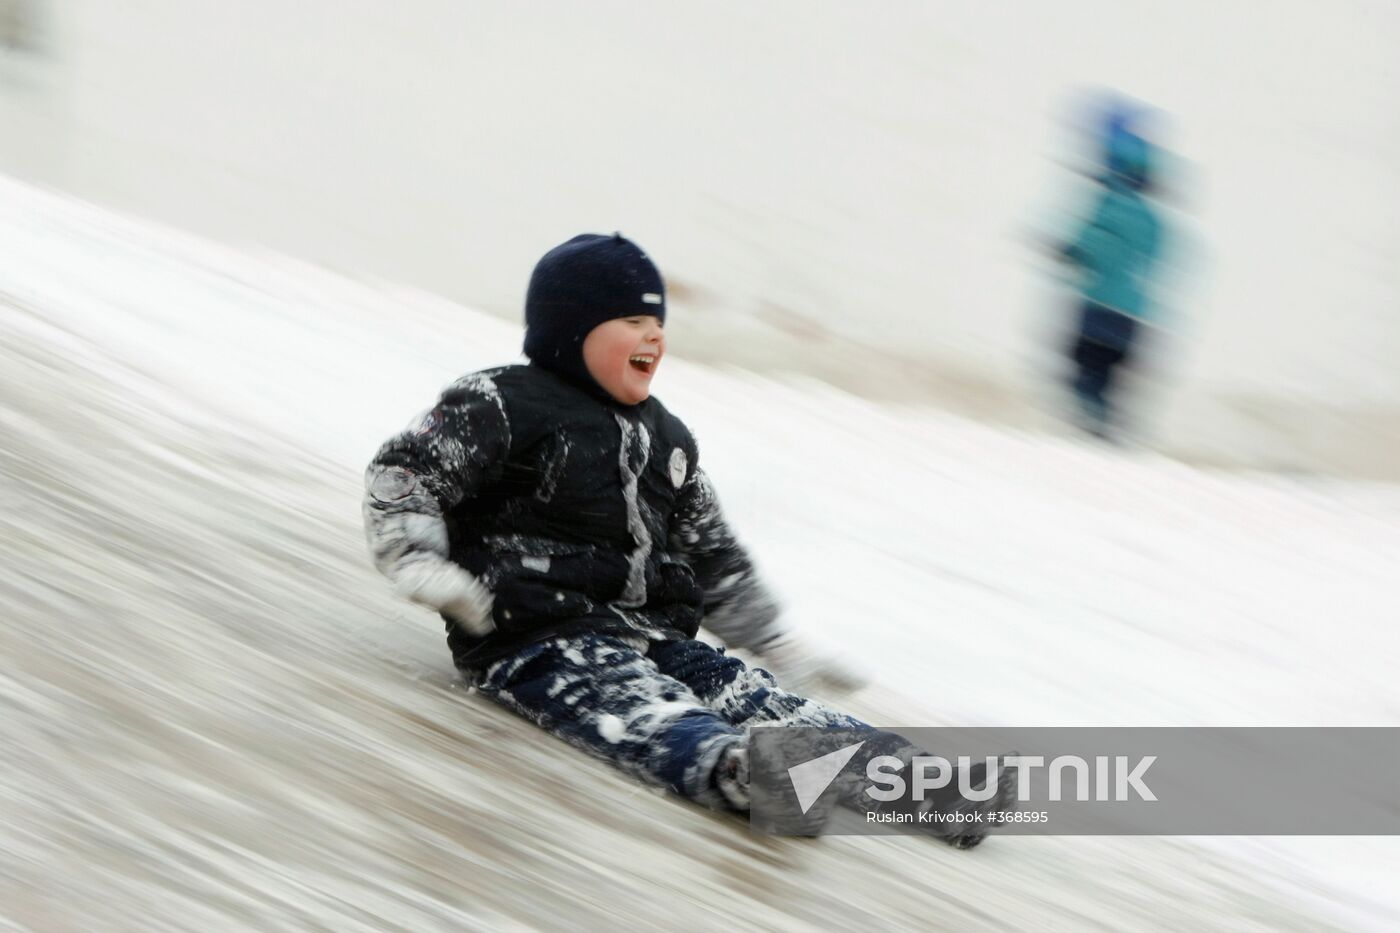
(450, 453)
(739, 608)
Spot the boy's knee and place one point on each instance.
(547, 667)
(704, 669)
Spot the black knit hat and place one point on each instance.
(580, 284)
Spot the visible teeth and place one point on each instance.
(643, 359)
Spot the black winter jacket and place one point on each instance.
(577, 513)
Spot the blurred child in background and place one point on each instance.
(1114, 253)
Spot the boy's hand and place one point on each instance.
(442, 585)
(800, 664)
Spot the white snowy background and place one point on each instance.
(852, 192)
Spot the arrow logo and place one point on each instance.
(811, 778)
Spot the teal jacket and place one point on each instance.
(1116, 250)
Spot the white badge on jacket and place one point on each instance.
(677, 467)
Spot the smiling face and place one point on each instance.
(622, 355)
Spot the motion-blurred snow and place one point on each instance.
(215, 716)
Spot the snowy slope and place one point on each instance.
(221, 719)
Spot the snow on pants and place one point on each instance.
(666, 711)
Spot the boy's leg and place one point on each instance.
(744, 696)
(748, 697)
(603, 695)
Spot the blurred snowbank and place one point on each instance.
(831, 189)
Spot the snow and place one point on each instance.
(809, 174)
(221, 718)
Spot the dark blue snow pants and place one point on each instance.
(666, 711)
(1105, 342)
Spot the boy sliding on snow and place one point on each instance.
(556, 516)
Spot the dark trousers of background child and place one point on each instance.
(665, 711)
(1104, 343)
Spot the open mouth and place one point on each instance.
(642, 362)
